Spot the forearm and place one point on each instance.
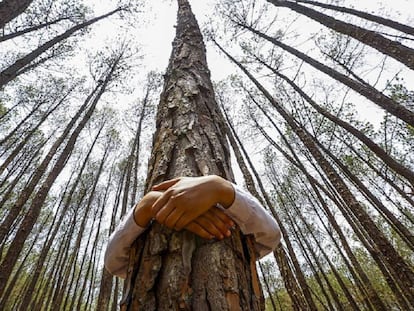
(253, 219)
(119, 245)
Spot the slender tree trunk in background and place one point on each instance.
(388, 47)
(24, 171)
(39, 172)
(268, 289)
(380, 152)
(12, 283)
(37, 202)
(45, 250)
(19, 65)
(104, 297)
(60, 264)
(30, 29)
(21, 123)
(365, 90)
(392, 259)
(143, 112)
(370, 17)
(235, 142)
(9, 9)
(176, 270)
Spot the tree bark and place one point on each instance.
(176, 270)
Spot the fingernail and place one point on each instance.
(228, 233)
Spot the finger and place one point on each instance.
(161, 201)
(209, 226)
(172, 218)
(166, 184)
(188, 217)
(224, 217)
(197, 229)
(164, 212)
(218, 223)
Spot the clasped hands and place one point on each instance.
(189, 203)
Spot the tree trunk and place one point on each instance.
(33, 213)
(9, 9)
(365, 90)
(381, 153)
(392, 260)
(176, 270)
(19, 65)
(30, 29)
(370, 17)
(40, 263)
(388, 47)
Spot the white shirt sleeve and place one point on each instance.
(246, 212)
(252, 218)
(119, 245)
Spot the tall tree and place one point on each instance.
(176, 270)
(394, 49)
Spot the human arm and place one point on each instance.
(213, 223)
(175, 207)
(252, 218)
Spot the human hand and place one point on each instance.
(186, 198)
(213, 224)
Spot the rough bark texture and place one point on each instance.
(176, 270)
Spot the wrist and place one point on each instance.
(225, 193)
(142, 215)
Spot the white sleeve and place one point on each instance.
(252, 218)
(119, 245)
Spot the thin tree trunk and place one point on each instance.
(394, 49)
(31, 29)
(269, 292)
(393, 261)
(365, 90)
(15, 69)
(370, 17)
(40, 197)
